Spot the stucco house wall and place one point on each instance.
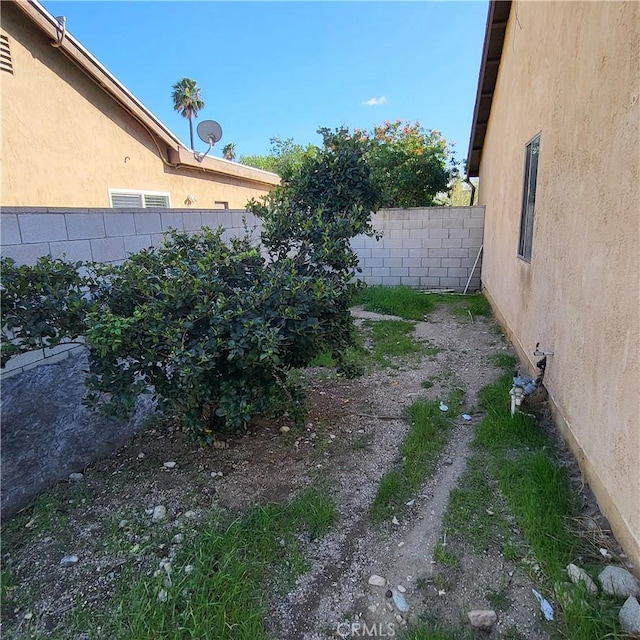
(66, 140)
(570, 71)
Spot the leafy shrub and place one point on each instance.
(214, 329)
(42, 305)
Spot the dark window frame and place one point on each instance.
(527, 211)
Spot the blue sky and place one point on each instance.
(285, 68)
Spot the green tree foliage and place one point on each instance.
(42, 305)
(187, 101)
(409, 164)
(213, 329)
(459, 194)
(285, 157)
(229, 151)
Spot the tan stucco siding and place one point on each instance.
(66, 142)
(569, 71)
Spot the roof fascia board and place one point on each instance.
(186, 158)
(482, 91)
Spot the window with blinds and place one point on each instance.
(6, 64)
(127, 199)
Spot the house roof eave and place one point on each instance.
(177, 153)
(497, 18)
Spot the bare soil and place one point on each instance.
(353, 434)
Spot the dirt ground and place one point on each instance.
(352, 436)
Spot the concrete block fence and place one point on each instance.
(426, 248)
(101, 235)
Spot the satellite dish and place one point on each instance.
(209, 131)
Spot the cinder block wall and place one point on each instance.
(426, 248)
(101, 235)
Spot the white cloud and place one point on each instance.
(373, 102)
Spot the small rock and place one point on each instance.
(443, 407)
(190, 514)
(441, 592)
(448, 462)
(122, 524)
(68, 561)
(411, 503)
(159, 513)
(400, 619)
(629, 616)
(617, 581)
(400, 602)
(373, 608)
(188, 568)
(395, 520)
(169, 465)
(28, 615)
(162, 596)
(178, 538)
(285, 429)
(402, 589)
(466, 416)
(140, 455)
(604, 553)
(377, 581)
(76, 477)
(482, 618)
(401, 544)
(388, 605)
(578, 575)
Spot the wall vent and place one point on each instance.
(5, 55)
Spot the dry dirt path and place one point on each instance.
(336, 593)
(353, 435)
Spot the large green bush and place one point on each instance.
(213, 329)
(42, 305)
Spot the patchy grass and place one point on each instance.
(217, 587)
(413, 304)
(388, 341)
(427, 437)
(517, 475)
(401, 301)
(429, 630)
(443, 556)
(504, 361)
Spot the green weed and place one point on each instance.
(413, 304)
(516, 457)
(401, 301)
(217, 585)
(427, 437)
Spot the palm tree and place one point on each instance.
(229, 151)
(187, 101)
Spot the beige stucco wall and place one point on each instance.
(570, 71)
(65, 141)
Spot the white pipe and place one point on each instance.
(475, 264)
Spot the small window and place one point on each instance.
(128, 199)
(532, 152)
(6, 64)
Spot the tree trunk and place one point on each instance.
(191, 132)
